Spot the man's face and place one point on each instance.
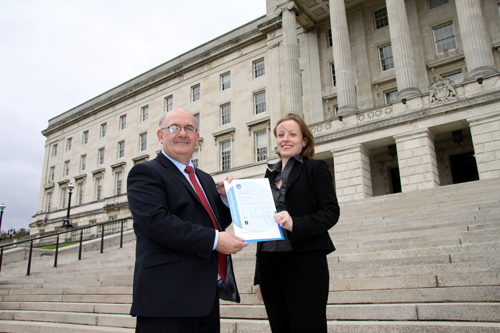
(179, 146)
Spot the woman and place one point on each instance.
(291, 275)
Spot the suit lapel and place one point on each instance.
(295, 173)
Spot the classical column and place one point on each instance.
(344, 68)
(475, 40)
(293, 93)
(404, 63)
(314, 76)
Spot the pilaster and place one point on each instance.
(485, 131)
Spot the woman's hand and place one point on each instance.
(284, 220)
(258, 292)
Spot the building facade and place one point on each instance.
(400, 95)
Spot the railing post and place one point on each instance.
(1, 258)
(57, 251)
(121, 236)
(28, 273)
(102, 239)
(81, 244)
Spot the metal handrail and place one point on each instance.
(58, 234)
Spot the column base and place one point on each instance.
(481, 72)
(409, 92)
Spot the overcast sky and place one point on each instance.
(57, 54)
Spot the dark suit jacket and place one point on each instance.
(311, 201)
(175, 269)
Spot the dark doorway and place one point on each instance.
(464, 168)
(395, 180)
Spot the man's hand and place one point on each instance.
(222, 189)
(229, 243)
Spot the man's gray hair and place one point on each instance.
(162, 119)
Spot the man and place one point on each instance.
(177, 212)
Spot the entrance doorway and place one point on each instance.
(464, 167)
(395, 180)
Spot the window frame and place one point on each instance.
(83, 162)
(66, 168)
(259, 71)
(225, 114)
(144, 113)
(54, 150)
(118, 182)
(85, 137)
(435, 5)
(143, 141)
(380, 21)
(388, 93)
(123, 122)
(103, 129)
(195, 92)
(453, 37)
(225, 81)
(69, 142)
(121, 149)
(384, 61)
(79, 193)
(257, 147)
(167, 104)
(262, 105)
(225, 155)
(52, 174)
(100, 156)
(98, 188)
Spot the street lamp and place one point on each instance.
(66, 223)
(2, 207)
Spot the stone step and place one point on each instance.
(41, 327)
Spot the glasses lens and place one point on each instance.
(189, 129)
(174, 129)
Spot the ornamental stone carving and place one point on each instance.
(442, 91)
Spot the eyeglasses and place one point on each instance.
(177, 129)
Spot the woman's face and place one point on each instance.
(289, 139)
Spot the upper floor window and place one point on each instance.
(66, 168)
(69, 141)
(144, 113)
(195, 93)
(104, 127)
(195, 158)
(260, 102)
(83, 162)
(197, 120)
(445, 38)
(79, 192)
(391, 96)
(456, 77)
(259, 68)
(225, 81)
(436, 3)
(123, 122)
(85, 137)
(48, 202)
(381, 19)
(98, 188)
(261, 145)
(330, 39)
(63, 197)
(121, 149)
(143, 141)
(118, 184)
(334, 78)
(386, 59)
(225, 155)
(52, 172)
(225, 113)
(100, 156)
(54, 150)
(169, 102)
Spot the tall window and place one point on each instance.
(225, 113)
(259, 68)
(445, 38)
(83, 162)
(195, 93)
(98, 188)
(100, 156)
(197, 120)
(69, 141)
(54, 150)
(391, 96)
(123, 122)
(330, 39)
(261, 145)
(169, 102)
(48, 202)
(386, 59)
(436, 3)
(456, 77)
(225, 81)
(225, 155)
(334, 78)
(195, 158)
(121, 149)
(52, 172)
(63, 197)
(104, 127)
(79, 192)
(143, 141)
(381, 19)
(144, 113)
(85, 137)
(260, 102)
(66, 168)
(119, 180)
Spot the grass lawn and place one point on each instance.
(53, 247)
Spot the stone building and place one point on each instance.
(400, 95)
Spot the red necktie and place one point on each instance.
(222, 257)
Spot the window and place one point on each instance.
(98, 188)
(48, 202)
(66, 168)
(63, 197)
(391, 96)
(121, 149)
(261, 145)
(436, 3)
(169, 102)
(330, 39)
(69, 141)
(118, 186)
(83, 162)
(259, 68)
(445, 38)
(386, 59)
(381, 19)
(100, 157)
(225, 155)
(225, 113)
(143, 141)
(225, 81)
(456, 77)
(334, 78)
(79, 192)
(103, 129)
(195, 157)
(52, 172)
(197, 120)
(195, 93)
(85, 137)
(144, 113)
(123, 122)
(54, 150)
(260, 102)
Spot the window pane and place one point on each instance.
(225, 113)
(226, 155)
(121, 149)
(119, 178)
(258, 68)
(123, 122)
(195, 93)
(225, 81)
(391, 96)
(260, 102)
(386, 59)
(194, 158)
(457, 77)
(169, 103)
(334, 79)
(436, 3)
(445, 38)
(261, 145)
(83, 162)
(381, 19)
(143, 141)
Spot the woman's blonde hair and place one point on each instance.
(308, 150)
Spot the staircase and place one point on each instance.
(424, 261)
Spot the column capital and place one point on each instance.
(286, 5)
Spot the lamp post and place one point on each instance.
(2, 207)
(66, 223)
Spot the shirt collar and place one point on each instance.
(179, 165)
(277, 166)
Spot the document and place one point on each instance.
(252, 209)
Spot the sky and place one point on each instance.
(57, 54)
